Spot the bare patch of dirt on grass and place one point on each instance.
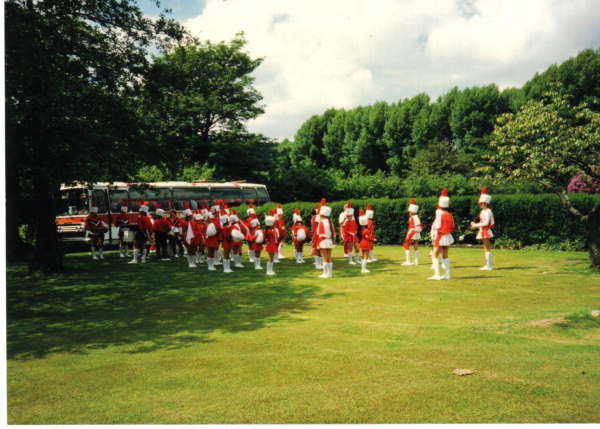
(544, 323)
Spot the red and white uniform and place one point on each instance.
(185, 229)
(198, 233)
(486, 222)
(161, 225)
(414, 230)
(93, 224)
(227, 238)
(351, 231)
(367, 239)
(214, 241)
(325, 234)
(256, 246)
(371, 226)
(444, 224)
(144, 223)
(295, 229)
(241, 227)
(272, 239)
(280, 224)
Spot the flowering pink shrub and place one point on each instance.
(583, 183)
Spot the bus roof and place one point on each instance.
(170, 184)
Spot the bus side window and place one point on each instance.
(99, 200)
(118, 199)
(263, 196)
(249, 195)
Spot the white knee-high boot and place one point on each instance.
(270, 271)
(135, 257)
(416, 262)
(436, 270)
(329, 269)
(488, 262)
(350, 260)
(364, 266)
(446, 263)
(144, 254)
(407, 262)
(371, 257)
(211, 264)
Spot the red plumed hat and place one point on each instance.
(412, 201)
(444, 201)
(349, 204)
(233, 212)
(444, 192)
(361, 212)
(484, 197)
(368, 206)
(323, 201)
(297, 211)
(278, 205)
(484, 190)
(250, 206)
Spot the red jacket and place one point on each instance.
(144, 223)
(161, 225)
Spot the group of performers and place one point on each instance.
(219, 233)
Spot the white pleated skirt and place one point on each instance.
(417, 236)
(327, 243)
(446, 240)
(489, 231)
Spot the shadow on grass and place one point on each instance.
(148, 307)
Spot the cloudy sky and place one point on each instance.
(345, 53)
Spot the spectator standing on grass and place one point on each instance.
(325, 235)
(366, 243)
(485, 225)
(444, 224)
(414, 233)
(123, 224)
(142, 235)
(95, 228)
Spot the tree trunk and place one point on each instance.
(47, 254)
(16, 249)
(591, 224)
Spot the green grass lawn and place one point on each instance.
(160, 343)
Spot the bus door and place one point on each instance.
(117, 198)
(100, 200)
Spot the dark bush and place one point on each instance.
(526, 219)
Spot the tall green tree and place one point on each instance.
(70, 69)
(195, 94)
(549, 142)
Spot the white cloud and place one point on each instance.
(345, 53)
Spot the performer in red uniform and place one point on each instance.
(444, 224)
(238, 234)
(95, 228)
(144, 231)
(326, 237)
(370, 215)
(414, 233)
(123, 224)
(198, 240)
(280, 224)
(485, 225)
(176, 229)
(160, 228)
(350, 234)
(212, 229)
(188, 232)
(342, 222)
(257, 237)
(366, 244)
(251, 215)
(227, 243)
(314, 224)
(272, 236)
(300, 236)
(438, 212)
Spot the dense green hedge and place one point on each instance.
(527, 219)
